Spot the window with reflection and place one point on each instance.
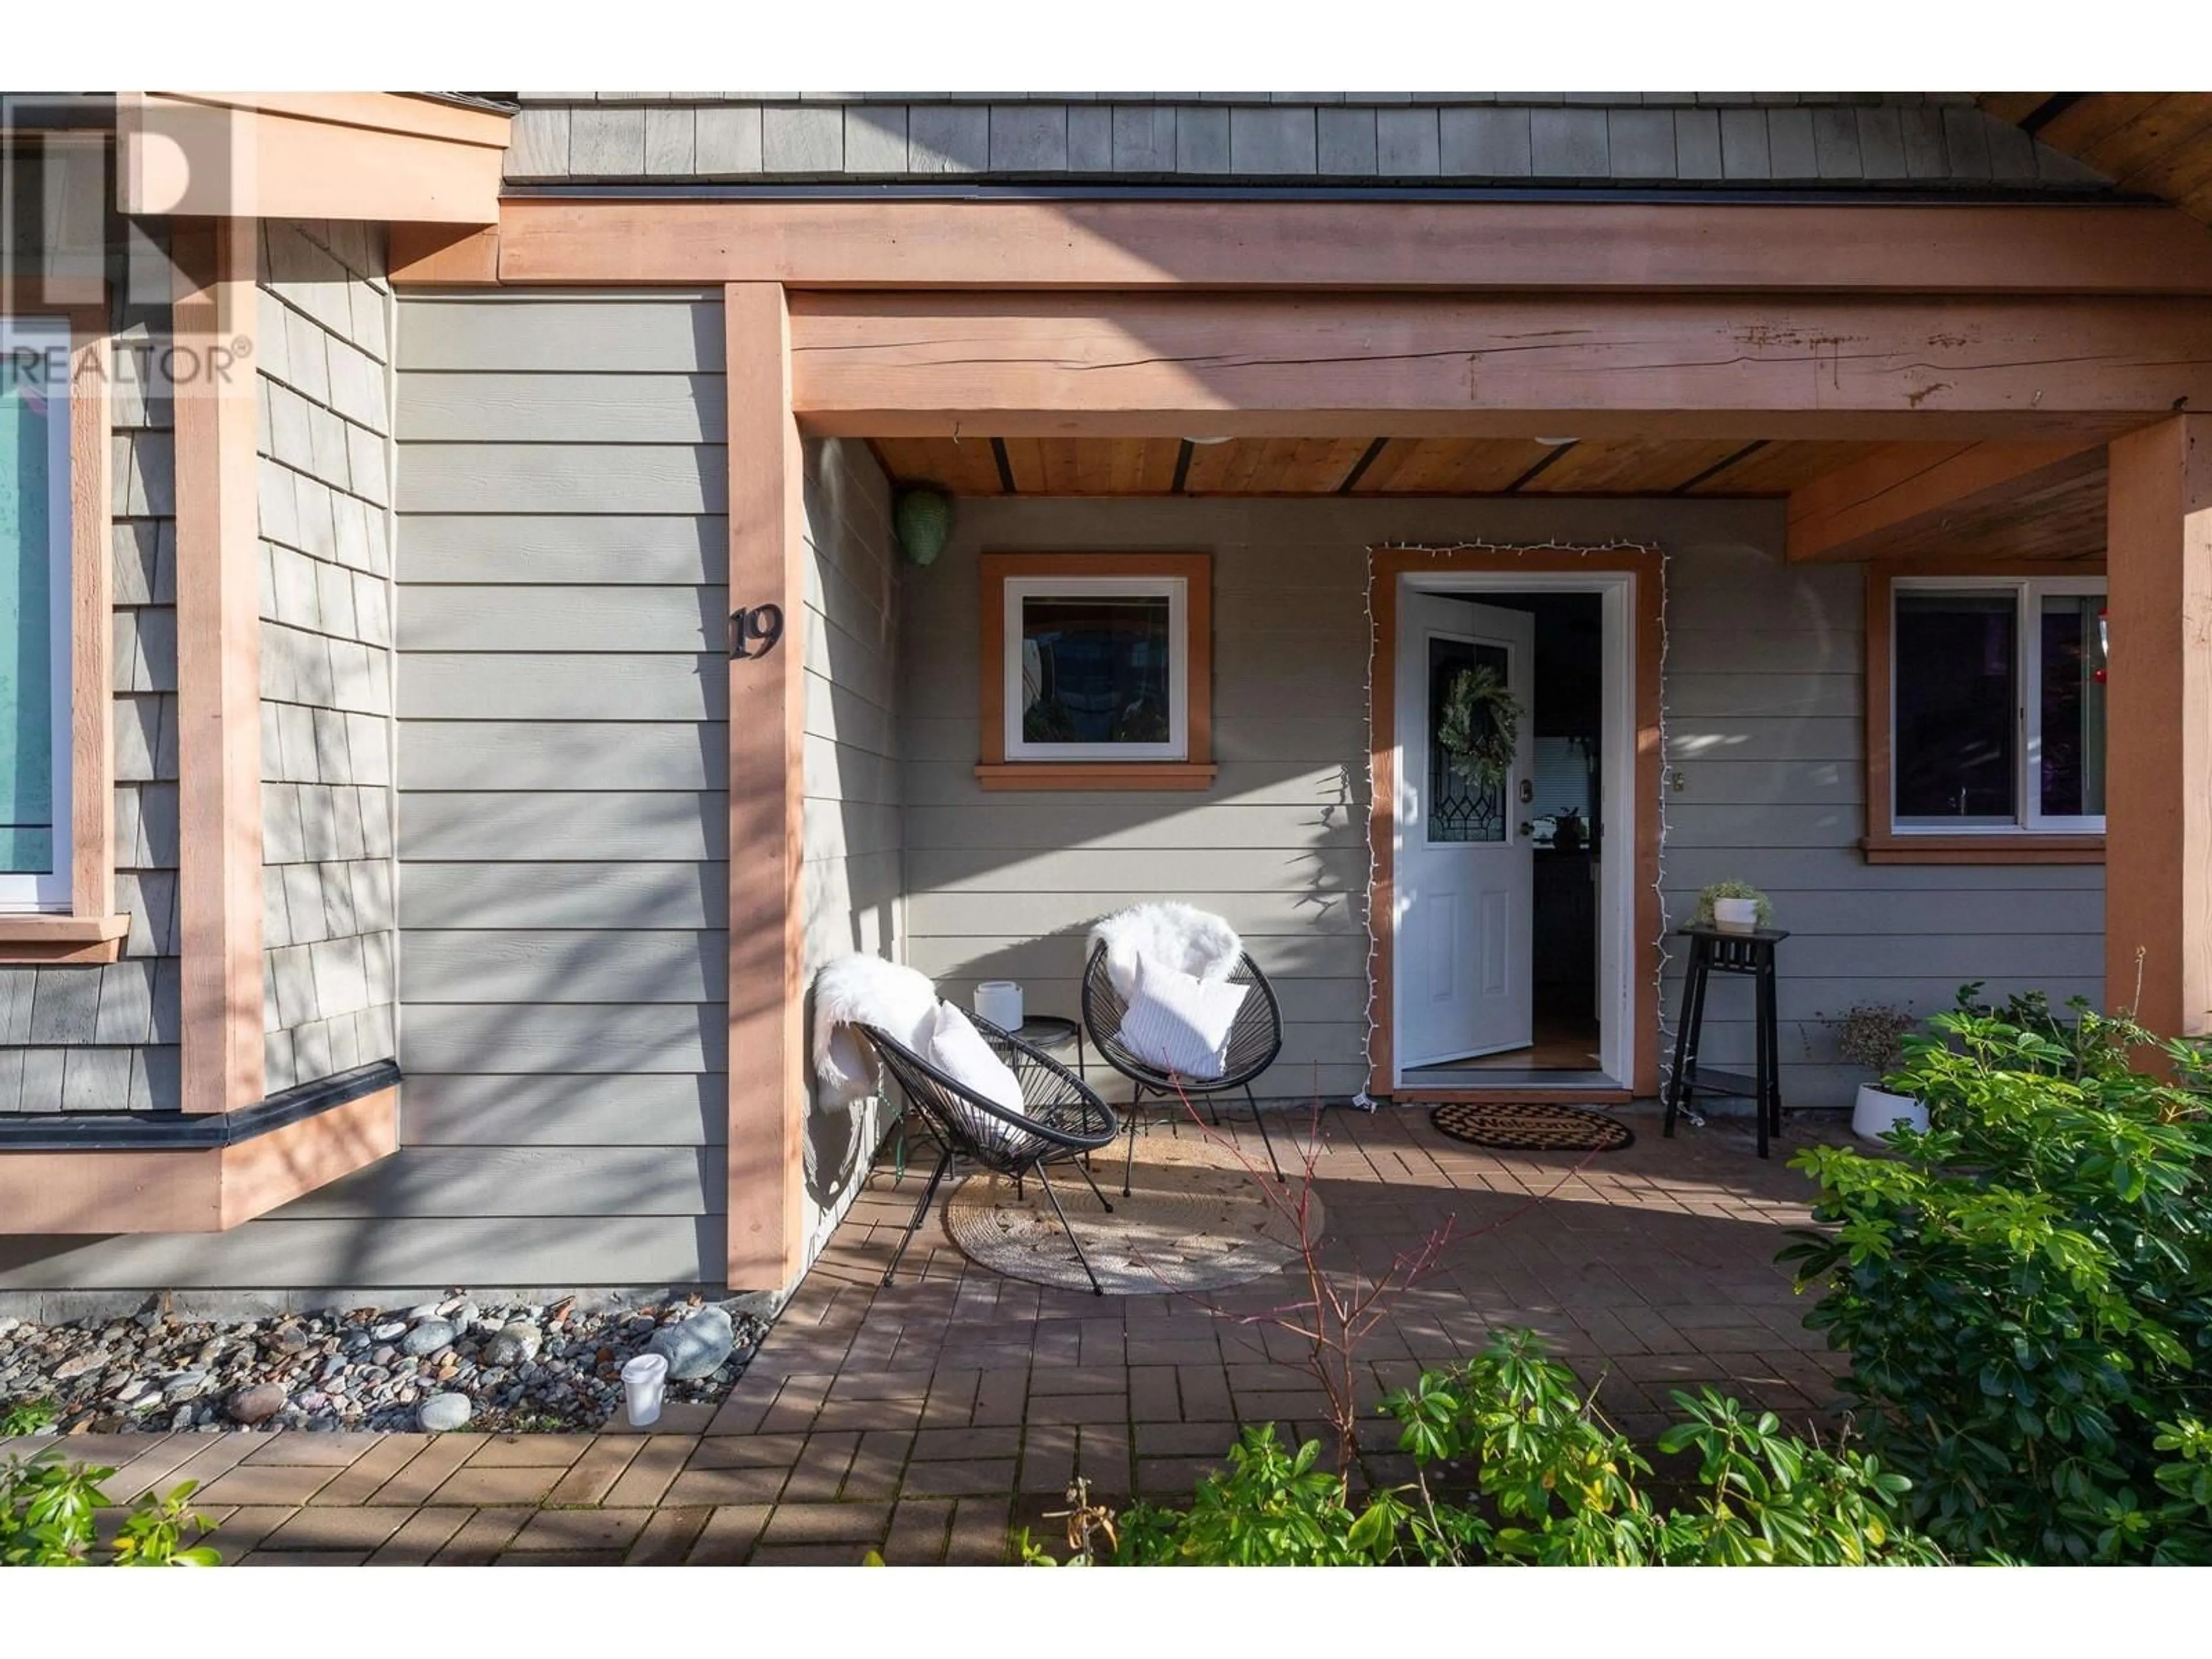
(1097, 668)
(1998, 704)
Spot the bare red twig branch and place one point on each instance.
(1341, 1306)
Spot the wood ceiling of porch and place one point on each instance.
(1358, 466)
(2154, 143)
(2061, 517)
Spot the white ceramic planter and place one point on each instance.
(1735, 915)
(643, 1380)
(1878, 1111)
(1000, 1001)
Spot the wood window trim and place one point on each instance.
(89, 931)
(1882, 843)
(1196, 771)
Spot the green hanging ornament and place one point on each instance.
(923, 520)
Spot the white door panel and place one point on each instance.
(1465, 871)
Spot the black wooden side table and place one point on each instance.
(1054, 1032)
(1713, 951)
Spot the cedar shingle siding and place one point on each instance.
(324, 353)
(1914, 141)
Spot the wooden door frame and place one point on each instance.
(1385, 565)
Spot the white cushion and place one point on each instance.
(950, 1042)
(1179, 1022)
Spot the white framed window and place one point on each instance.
(1996, 705)
(1097, 668)
(35, 612)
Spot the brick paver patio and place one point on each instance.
(929, 1419)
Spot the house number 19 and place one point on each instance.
(754, 631)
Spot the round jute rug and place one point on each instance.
(1185, 1226)
(1529, 1126)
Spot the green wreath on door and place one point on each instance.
(1479, 725)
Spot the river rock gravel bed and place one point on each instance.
(367, 1368)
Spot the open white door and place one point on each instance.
(1465, 866)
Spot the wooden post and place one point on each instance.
(767, 1080)
(218, 665)
(2158, 872)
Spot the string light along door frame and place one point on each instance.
(1646, 927)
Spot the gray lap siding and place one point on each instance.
(1762, 680)
(563, 751)
(560, 761)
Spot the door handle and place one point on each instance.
(1527, 830)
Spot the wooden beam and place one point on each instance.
(767, 1083)
(218, 667)
(2158, 723)
(413, 114)
(65, 1194)
(900, 365)
(1903, 493)
(285, 1163)
(1921, 249)
(205, 1191)
(443, 256)
(379, 156)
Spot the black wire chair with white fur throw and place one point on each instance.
(1062, 1120)
(1255, 1040)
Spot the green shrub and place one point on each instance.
(28, 1417)
(1270, 1507)
(47, 1519)
(2026, 1291)
(1551, 1483)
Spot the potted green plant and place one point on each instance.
(1733, 907)
(1872, 1035)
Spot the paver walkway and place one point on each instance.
(929, 1419)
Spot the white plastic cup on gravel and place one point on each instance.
(643, 1379)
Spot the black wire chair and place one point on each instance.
(1062, 1120)
(1253, 1041)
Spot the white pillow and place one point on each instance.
(950, 1042)
(1179, 1022)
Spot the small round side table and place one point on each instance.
(1055, 1031)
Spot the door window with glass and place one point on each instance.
(1996, 705)
(35, 615)
(1464, 805)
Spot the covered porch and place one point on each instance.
(1697, 709)
(1787, 456)
(1791, 406)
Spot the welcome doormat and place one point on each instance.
(1530, 1126)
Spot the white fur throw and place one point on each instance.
(868, 990)
(1192, 941)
